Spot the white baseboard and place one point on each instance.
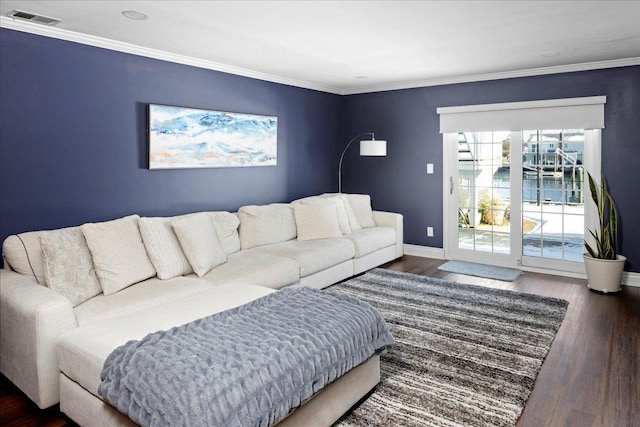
(631, 279)
(423, 251)
(628, 278)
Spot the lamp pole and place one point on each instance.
(342, 156)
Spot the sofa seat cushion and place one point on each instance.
(82, 351)
(312, 255)
(141, 296)
(369, 240)
(256, 268)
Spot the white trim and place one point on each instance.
(544, 103)
(592, 164)
(568, 113)
(585, 66)
(628, 278)
(424, 251)
(58, 33)
(449, 214)
(71, 36)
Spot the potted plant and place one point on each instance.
(491, 208)
(603, 264)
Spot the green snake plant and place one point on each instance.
(606, 237)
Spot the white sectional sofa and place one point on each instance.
(67, 296)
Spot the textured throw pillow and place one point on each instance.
(226, 225)
(199, 241)
(68, 267)
(316, 221)
(119, 256)
(163, 248)
(343, 218)
(361, 204)
(263, 225)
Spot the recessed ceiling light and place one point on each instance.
(134, 14)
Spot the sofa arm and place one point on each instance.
(32, 317)
(395, 221)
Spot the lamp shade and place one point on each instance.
(374, 147)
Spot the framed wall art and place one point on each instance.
(182, 137)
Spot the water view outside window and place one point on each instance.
(552, 193)
(552, 220)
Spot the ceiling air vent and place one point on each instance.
(32, 17)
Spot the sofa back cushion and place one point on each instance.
(353, 219)
(68, 265)
(23, 254)
(226, 225)
(163, 247)
(263, 225)
(316, 221)
(118, 253)
(360, 205)
(337, 202)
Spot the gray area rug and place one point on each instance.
(464, 355)
(481, 270)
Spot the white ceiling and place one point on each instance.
(356, 46)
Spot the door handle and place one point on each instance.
(450, 185)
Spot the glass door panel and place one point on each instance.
(484, 192)
(552, 194)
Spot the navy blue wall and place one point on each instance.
(73, 138)
(73, 141)
(408, 120)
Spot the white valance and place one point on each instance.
(570, 113)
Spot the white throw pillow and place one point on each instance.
(119, 256)
(68, 267)
(343, 218)
(316, 221)
(163, 248)
(263, 225)
(361, 204)
(199, 241)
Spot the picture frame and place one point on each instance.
(182, 138)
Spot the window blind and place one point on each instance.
(576, 113)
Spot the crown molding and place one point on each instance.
(585, 66)
(61, 34)
(71, 36)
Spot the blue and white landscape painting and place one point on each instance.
(189, 138)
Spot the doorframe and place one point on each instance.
(593, 160)
(450, 217)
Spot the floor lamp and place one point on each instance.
(372, 147)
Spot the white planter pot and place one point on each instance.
(604, 275)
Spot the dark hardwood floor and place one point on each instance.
(590, 377)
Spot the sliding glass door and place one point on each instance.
(517, 198)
